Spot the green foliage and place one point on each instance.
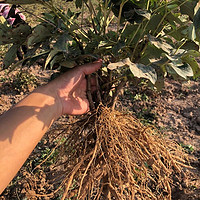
(150, 38)
(24, 81)
(22, 1)
(188, 148)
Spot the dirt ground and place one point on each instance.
(175, 111)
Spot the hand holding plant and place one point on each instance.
(70, 89)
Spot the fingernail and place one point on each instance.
(98, 61)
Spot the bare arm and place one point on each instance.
(22, 127)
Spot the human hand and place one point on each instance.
(70, 89)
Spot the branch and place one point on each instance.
(99, 99)
(89, 93)
(116, 94)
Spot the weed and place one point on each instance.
(24, 81)
(187, 147)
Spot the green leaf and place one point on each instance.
(143, 13)
(40, 34)
(178, 33)
(50, 17)
(60, 59)
(62, 42)
(197, 20)
(15, 35)
(51, 56)
(188, 8)
(21, 1)
(161, 44)
(113, 66)
(183, 71)
(79, 3)
(189, 58)
(193, 53)
(138, 70)
(33, 58)
(172, 17)
(10, 56)
(172, 6)
(57, 58)
(154, 22)
(151, 52)
(4, 26)
(129, 32)
(68, 64)
(190, 45)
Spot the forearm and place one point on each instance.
(21, 128)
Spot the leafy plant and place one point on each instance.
(151, 39)
(24, 82)
(188, 148)
(112, 153)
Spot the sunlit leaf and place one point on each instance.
(161, 44)
(188, 8)
(50, 56)
(138, 70)
(188, 58)
(143, 13)
(113, 66)
(142, 71)
(183, 70)
(4, 26)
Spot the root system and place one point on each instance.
(111, 155)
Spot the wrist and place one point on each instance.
(43, 100)
(51, 99)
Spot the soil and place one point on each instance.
(175, 111)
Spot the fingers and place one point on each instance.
(91, 67)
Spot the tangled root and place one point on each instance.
(111, 155)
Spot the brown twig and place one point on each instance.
(116, 94)
(99, 99)
(89, 93)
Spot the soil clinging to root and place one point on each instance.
(111, 155)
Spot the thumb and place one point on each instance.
(91, 67)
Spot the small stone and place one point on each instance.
(198, 120)
(198, 129)
(188, 115)
(23, 191)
